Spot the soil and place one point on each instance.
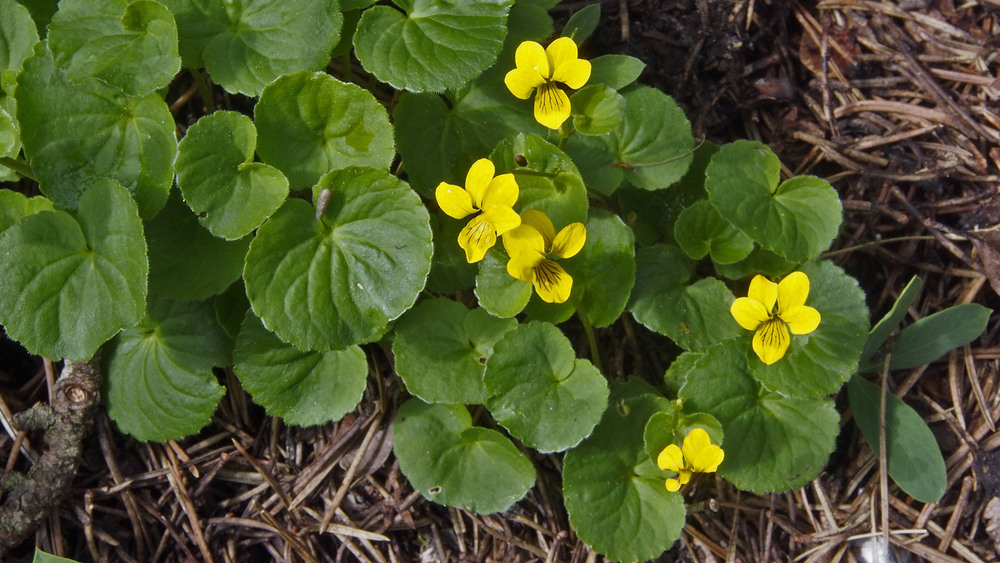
(895, 103)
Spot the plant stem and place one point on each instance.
(588, 329)
(19, 166)
(204, 89)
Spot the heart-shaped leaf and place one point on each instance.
(220, 181)
(700, 231)
(68, 284)
(160, 384)
(311, 123)
(540, 391)
(653, 144)
(454, 463)
(325, 284)
(14, 206)
(604, 270)
(430, 45)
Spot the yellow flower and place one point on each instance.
(758, 312)
(545, 70)
(699, 455)
(531, 243)
(494, 197)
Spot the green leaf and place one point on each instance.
(311, 123)
(597, 109)
(613, 505)
(653, 144)
(330, 283)
(185, 261)
(160, 384)
(935, 335)
(456, 464)
(215, 171)
(42, 557)
(660, 431)
(247, 45)
(818, 363)
(694, 316)
(441, 350)
(760, 261)
(547, 179)
(914, 459)
(231, 308)
(303, 388)
(583, 23)
(433, 45)
(450, 272)
(14, 206)
(131, 46)
(700, 230)
(540, 392)
(93, 133)
(604, 271)
(882, 329)
(797, 219)
(17, 35)
(616, 71)
(498, 292)
(69, 284)
(439, 140)
(773, 443)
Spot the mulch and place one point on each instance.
(896, 103)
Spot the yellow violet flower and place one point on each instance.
(772, 309)
(545, 70)
(699, 455)
(493, 196)
(529, 246)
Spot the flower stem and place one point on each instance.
(588, 329)
(19, 166)
(204, 89)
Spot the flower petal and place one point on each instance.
(541, 223)
(801, 320)
(552, 283)
(551, 106)
(750, 313)
(673, 485)
(501, 191)
(700, 453)
(454, 201)
(570, 240)
(478, 180)
(523, 238)
(761, 289)
(771, 340)
(476, 238)
(522, 82)
(522, 265)
(502, 218)
(531, 56)
(573, 74)
(560, 52)
(792, 291)
(671, 459)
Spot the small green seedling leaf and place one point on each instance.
(700, 231)
(773, 443)
(819, 363)
(540, 391)
(247, 45)
(129, 45)
(93, 133)
(500, 293)
(583, 23)
(914, 459)
(604, 271)
(14, 206)
(219, 180)
(885, 327)
(616, 71)
(454, 463)
(597, 109)
(68, 284)
(325, 284)
(616, 499)
(303, 388)
(935, 335)
(797, 219)
(160, 384)
(187, 262)
(431, 46)
(441, 350)
(311, 123)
